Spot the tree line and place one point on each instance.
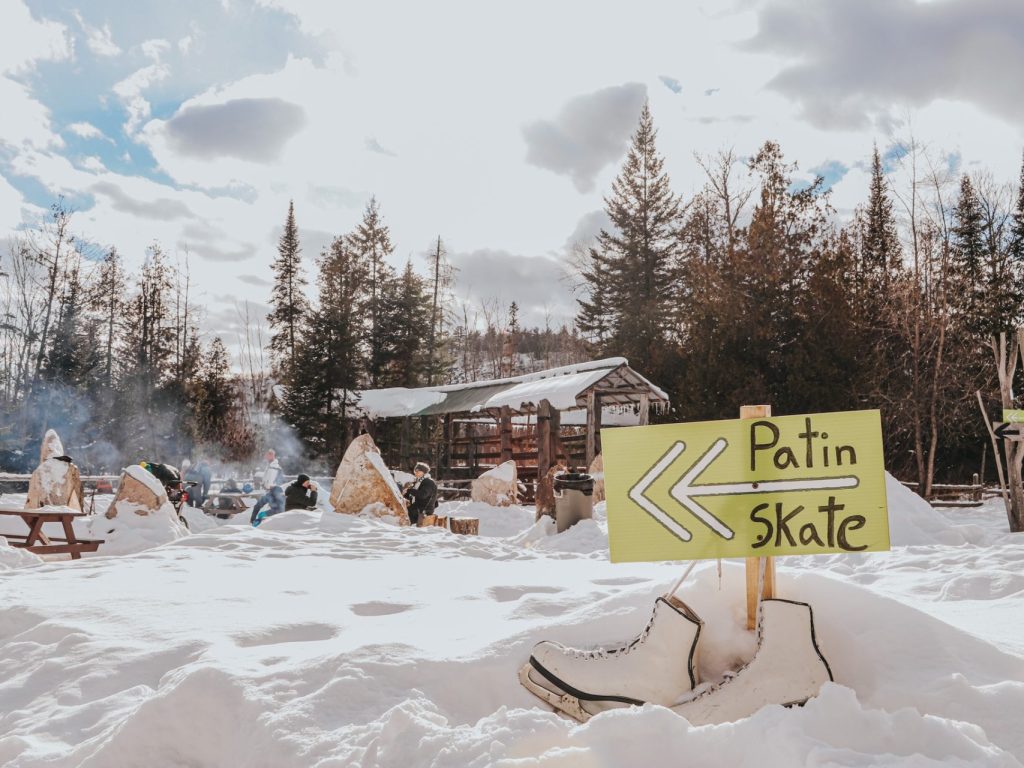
(112, 360)
(753, 291)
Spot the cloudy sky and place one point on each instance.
(192, 123)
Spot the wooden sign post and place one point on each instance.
(754, 563)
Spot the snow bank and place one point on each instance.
(494, 521)
(331, 640)
(129, 533)
(912, 520)
(16, 557)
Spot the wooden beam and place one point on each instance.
(754, 563)
(446, 442)
(505, 433)
(592, 417)
(645, 409)
(544, 496)
(405, 445)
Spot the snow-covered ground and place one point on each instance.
(327, 640)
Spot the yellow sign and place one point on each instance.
(1013, 417)
(790, 485)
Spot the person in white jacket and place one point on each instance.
(273, 497)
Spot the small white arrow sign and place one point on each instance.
(684, 490)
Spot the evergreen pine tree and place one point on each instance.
(441, 278)
(629, 280)
(409, 325)
(1015, 252)
(968, 252)
(331, 364)
(287, 298)
(880, 245)
(108, 302)
(371, 242)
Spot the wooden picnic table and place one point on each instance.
(236, 503)
(38, 542)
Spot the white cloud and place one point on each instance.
(11, 205)
(130, 91)
(86, 130)
(25, 40)
(98, 39)
(92, 163)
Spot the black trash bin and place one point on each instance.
(574, 499)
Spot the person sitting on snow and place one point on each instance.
(274, 496)
(422, 493)
(301, 494)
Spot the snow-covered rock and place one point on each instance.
(140, 517)
(363, 484)
(498, 487)
(56, 481)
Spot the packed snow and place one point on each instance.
(321, 639)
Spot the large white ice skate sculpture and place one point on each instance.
(658, 666)
(787, 669)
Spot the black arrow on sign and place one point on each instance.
(1007, 431)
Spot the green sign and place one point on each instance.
(1013, 417)
(790, 485)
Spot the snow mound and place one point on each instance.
(499, 522)
(587, 537)
(129, 533)
(16, 557)
(912, 520)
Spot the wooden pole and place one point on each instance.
(645, 410)
(505, 430)
(754, 564)
(405, 445)
(591, 450)
(545, 494)
(556, 436)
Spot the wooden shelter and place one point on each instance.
(533, 419)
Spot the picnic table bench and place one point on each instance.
(224, 505)
(39, 542)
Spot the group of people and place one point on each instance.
(301, 494)
(420, 494)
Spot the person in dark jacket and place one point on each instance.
(201, 474)
(421, 493)
(301, 494)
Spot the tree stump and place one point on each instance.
(426, 521)
(440, 521)
(468, 526)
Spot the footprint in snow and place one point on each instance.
(622, 581)
(293, 633)
(375, 608)
(508, 594)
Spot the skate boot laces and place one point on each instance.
(603, 652)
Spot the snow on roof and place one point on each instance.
(560, 386)
(560, 391)
(397, 401)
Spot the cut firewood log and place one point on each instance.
(468, 526)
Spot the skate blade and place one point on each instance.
(562, 702)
